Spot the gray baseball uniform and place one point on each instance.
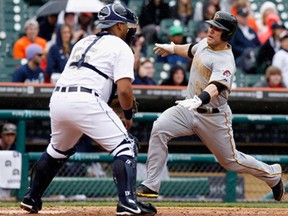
(212, 122)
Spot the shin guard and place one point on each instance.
(43, 171)
(124, 171)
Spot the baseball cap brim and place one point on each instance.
(217, 24)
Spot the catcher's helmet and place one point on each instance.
(225, 21)
(112, 14)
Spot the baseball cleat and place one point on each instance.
(143, 191)
(139, 209)
(147, 208)
(31, 205)
(278, 191)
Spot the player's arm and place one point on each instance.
(168, 49)
(214, 89)
(125, 93)
(125, 96)
(210, 92)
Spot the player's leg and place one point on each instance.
(105, 127)
(174, 122)
(222, 145)
(61, 147)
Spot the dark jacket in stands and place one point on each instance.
(152, 14)
(239, 42)
(56, 58)
(265, 55)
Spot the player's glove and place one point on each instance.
(164, 49)
(190, 104)
(115, 105)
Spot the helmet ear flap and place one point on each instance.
(226, 36)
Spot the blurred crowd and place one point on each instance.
(260, 42)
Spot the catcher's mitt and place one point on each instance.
(115, 105)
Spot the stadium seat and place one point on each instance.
(252, 79)
(161, 71)
(6, 73)
(191, 28)
(150, 51)
(11, 62)
(136, 6)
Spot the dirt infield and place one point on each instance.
(163, 211)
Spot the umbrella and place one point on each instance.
(75, 6)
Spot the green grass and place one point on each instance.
(161, 204)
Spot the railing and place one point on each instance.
(231, 177)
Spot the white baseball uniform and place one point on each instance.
(76, 112)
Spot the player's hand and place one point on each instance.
(128, 123)
(190, 104)
(164, 49)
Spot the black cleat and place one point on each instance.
(147, 208)
(278, 191)
(143, 191)
(139, 209)
(126, 209)
(31, 205)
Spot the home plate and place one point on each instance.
(22, 212)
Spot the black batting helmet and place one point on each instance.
(225, 21)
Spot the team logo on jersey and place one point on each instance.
(226, 73)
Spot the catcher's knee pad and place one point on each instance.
(60, 154)
(127, 147)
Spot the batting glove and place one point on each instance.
(164, 49)
(190, 104)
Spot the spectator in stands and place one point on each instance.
(176, 36)
(47, 26)
(269, 48)
(31, 72)
(152, 12)
(59, 52)
(201, 31)
(267, 33)
(273, 78)
(177, 77)
(69, 19)
(182, 11)
(280, 59)
(266, 9)
(204, 10)
(31, 29)
(7, 142)
(245, 4)
(145, 73)
(84, 26)
(138, 47)
(244, 42)
(8, 137)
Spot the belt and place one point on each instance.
(207, 110)
(75, 89)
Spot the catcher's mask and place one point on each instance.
(112, 14)
(225, 21)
